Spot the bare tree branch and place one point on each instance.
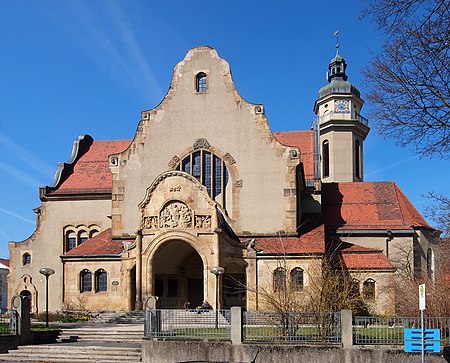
(439, 211)
(409, 81)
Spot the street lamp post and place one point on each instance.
(47, 272)
(217, 271)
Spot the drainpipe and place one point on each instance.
(389, 238)
(139, 270)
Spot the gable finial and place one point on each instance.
(336, 34)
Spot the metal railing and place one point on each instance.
(390, 330)
(188, 324)
(290, 327)
(5, 323)
(340, 116)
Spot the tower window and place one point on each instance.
(325, 159)
(358, 159)
(26, 259)
(200, 82)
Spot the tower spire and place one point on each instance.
(337, 67)
(336, 34)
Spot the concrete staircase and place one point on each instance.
(120, 317)
(93, 344)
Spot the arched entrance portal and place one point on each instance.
(178, 275)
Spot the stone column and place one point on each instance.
(346, 328)
(138, 270)
(236, 325)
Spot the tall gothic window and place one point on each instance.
(82, 237)
(71, 241)
(200, 82)
(297, 278)
(354, 288)
(101, 280)
(325, 159)
(85, 281)
(369, 289)
(208, 169)
(279, 280)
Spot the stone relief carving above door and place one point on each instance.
(175, 215)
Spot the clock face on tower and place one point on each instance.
(341, 106)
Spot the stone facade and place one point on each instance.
(4, 270)
(205, 183)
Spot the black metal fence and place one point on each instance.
(290, 327)
(374, 330)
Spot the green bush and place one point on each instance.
(65, 317)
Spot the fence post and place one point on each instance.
(346, 328)
(236, 325)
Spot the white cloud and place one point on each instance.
(378, 171)
(17, 216)
(108, 36)
(25, 156)
(20, 175)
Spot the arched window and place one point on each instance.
(200, 82)
(430, 264)
(354, 288)
(93, 233)
(71, 241)
(279, 280)
(82, 237)
(325, 159)
(26, 259)
(209, 170)
(369, 289)
(85, 281)
(358, 159)
(101, 280)
(297, 278)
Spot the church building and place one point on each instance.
(206, 196)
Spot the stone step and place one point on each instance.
(61, 360)
(98, 339)
(76, 355)
(120, 317)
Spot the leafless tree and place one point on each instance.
(439, 211)
(436, 280)
(330, 288)
(409, 80)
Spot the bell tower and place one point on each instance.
(342, 130)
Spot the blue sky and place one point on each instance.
(75, 67)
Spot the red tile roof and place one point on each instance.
(310, 242)
(366, 261)
(362, 258)
(368, 205)
(100, 245)
(304, 140)
(4, 262)
(91, 172)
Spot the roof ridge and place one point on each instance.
(405, 200)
